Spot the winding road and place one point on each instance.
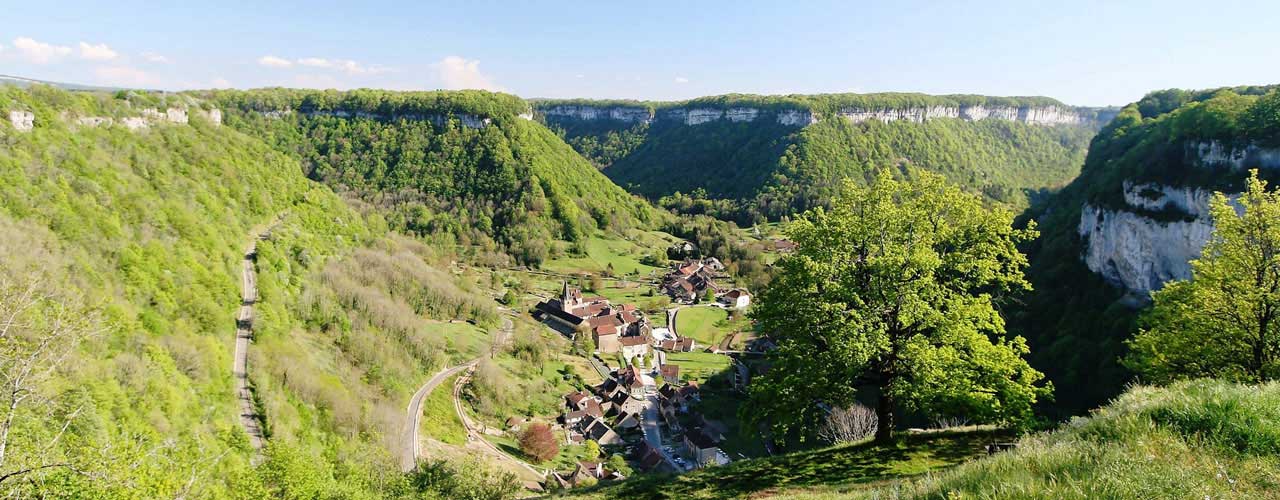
(411, 442)
(249, 417)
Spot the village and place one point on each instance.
(646, 408)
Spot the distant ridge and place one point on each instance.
(24, 82)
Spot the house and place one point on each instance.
(713, 264)
(585, 470)
(515, 423)
(594, 428)
(627, 420)
(735, 299)
(649, 458)
(606, 338)
(784, 246)
(574, 417)
(712, 428)
(682, 344)
(690, 391)
(702, 448)
(670, 372)
(578, 400)
(634, 346)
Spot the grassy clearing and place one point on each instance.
(567, 459)
(705, 324)
(439, 418)
(699, 366)
(828, 467)
(463, 340)
(601, 253)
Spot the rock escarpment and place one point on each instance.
(1154, 237)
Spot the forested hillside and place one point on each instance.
(120, 274)
(1132, 220)
(461, 168)
(751, 158)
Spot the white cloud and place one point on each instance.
(99, 52)
(681, 79)
(459, 73)
(344, 65)
(155, 58)
(40, 52)
(221, 83)
(274, 62)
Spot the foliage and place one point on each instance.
(507, 187)
(895, 289)
(538, 442)
(466, 481)
(1075, 322)
(1221, 323)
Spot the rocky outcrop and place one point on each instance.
(23, 121)
(796, 117)
(1138, 253)
(94, 121)
(1041, 115)
(214, 116)
(1216, 154)
(590, 113)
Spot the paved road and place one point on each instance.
(475, 438)
(650, 425)
(244, 334)
(411, 444)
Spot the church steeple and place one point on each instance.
(565, 304)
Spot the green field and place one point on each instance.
(623, 254)
(566, 460)
(699, 366)
(439, 418)
(464, 340)
(700, 324)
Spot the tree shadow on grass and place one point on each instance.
(846, 465)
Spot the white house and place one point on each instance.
(735, 299)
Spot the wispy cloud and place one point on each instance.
(460, 73)
(681, 79)
(344, 65)
(274, 62)
(40, 52)
(153, 57)
(98, 52)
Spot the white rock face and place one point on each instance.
(589, 113)
(23, 121)
(1136, 252)
(176, 115)
(214, 116)
(1157, 197)
(796, 117)
(1046, 115)
(741, 114)
(1216, 154)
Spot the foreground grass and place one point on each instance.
(829, 467)
(1199, 439)
(1193, 440)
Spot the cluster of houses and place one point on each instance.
(691, 279)
(620, 328)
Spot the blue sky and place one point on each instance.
(1086, 53)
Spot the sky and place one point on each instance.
(1082, 53)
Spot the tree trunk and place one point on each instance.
(884, 418)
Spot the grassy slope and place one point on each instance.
(699, 323)
(148, 227)
(1199, 439)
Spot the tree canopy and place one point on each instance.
(891, 296)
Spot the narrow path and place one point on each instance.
(474, 435)
(249, 417)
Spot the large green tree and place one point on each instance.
(891, 295)
(1225, 321)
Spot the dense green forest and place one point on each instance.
(120, 273)
(506, 188)
(1075, 321)
(761, 170)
